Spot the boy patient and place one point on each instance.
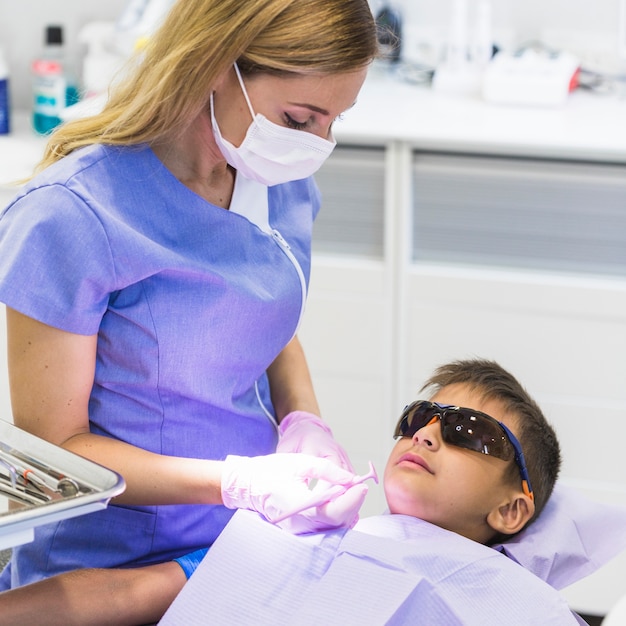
(477, 458)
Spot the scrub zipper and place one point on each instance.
(286, 248)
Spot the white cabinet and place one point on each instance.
(347, 329)
(520, 212)
(347, 337)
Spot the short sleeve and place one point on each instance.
(56, 264)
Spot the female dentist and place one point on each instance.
(155, 272)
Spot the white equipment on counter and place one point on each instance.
(530, 77)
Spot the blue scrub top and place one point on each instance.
(191, 303)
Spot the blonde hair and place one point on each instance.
(198, 41)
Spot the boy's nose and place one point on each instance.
(428, 435)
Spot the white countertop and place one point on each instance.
(20, 151)
(589, 126)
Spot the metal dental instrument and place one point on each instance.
(12, 472)
(42, 483)
(68, 487)
(23, 494)
(329, 494)
(41, 476)
(15, 486)
(32, 482)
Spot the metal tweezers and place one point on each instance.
(31, 482)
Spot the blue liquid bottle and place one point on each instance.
(53, 89)
(5, 101)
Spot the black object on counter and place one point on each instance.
(389, 23)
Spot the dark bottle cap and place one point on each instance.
(54, 35)
(389, 25)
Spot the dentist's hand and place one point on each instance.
(277, 483)
(304, 432)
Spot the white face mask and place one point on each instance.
(272, 154)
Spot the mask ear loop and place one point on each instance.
(243, 88)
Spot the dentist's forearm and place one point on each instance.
(152, 479)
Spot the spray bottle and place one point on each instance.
(100, 65)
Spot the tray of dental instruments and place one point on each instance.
(42, 483)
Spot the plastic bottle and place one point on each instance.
(5, 102)
(100, 65)
(53, 86)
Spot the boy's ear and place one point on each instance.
(511, 516)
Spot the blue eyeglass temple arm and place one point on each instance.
(520, 460)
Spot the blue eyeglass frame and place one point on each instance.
(520, 460)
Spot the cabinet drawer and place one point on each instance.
(351, 221)
(520, 213)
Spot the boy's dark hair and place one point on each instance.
(538, 439)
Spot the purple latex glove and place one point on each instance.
(276, 483)
(304, 432)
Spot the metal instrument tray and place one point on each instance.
(42, 483)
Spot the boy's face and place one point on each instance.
(443, 484)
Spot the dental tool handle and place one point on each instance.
(328, 495)
(320, 498)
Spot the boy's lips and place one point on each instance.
(415, 459)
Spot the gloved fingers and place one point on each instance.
(270, 484)
(323, 447)
(321, 486)
(297, 467)
(304, 432)
(339, 457)
(300, 418)
(317, 443)
(324, 470)
(342, 512)
(320, 494)
(314, 498)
